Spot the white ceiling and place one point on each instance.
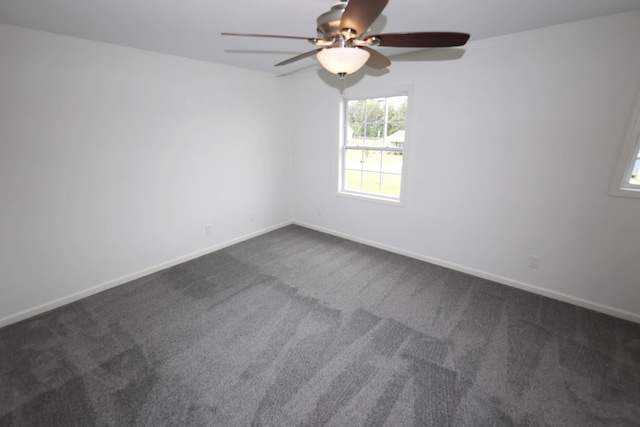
(191, 28)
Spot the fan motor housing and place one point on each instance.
(329, 22)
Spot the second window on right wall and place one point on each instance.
(626, 181)
(634, 177)
(372, 149)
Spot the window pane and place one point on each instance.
(635, 173)
(397, 111)
(392, 162)
(372, 160)
(356, 110)
(374, 110)
(354, 134)
(353, 159)
(371, 182)
(353, 180)
(375, 130)
(375, 140)
(390, 185)
(398, 101)
(395, 135)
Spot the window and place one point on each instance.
(627, 176)
(634, 178)
(373, 141)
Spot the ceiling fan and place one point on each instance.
(344, 45)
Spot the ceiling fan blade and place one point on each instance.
(376, 59)
(296, 58)
(429, 39)
(311, 39)
(360, 14)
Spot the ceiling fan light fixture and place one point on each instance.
(343, 60)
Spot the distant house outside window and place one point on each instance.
(373, 143)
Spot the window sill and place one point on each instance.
(370, 198)
(631, 192)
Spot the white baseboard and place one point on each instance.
(34, 311)
(623, 314)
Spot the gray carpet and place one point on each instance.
(298, 328)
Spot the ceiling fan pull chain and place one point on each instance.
(343, 77)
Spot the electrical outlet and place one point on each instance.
(252, 217)
(208, 230)
(319, 212)
(534, 261)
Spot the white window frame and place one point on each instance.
(372, 94)
(628, 155)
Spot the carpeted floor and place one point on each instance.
(298, 328)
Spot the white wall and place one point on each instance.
(511, 151)
(112, 160)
